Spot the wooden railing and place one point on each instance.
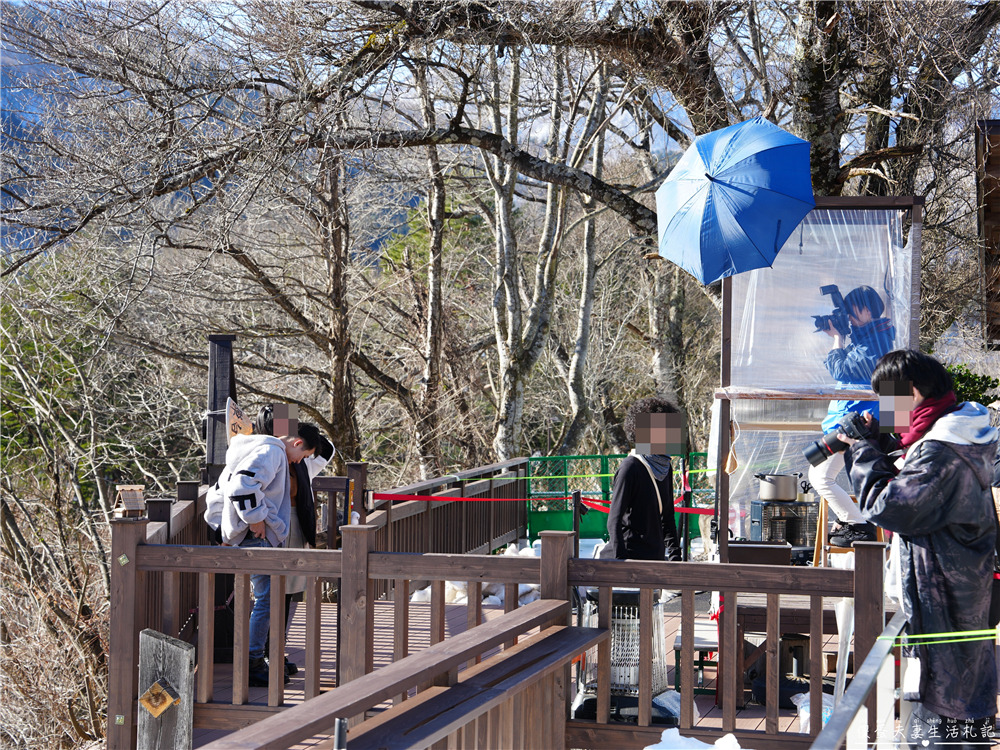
(455, 527)
(864, 584)
(167, 597)
(362, 568)
(877, 672)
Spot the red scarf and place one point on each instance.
(925, 414)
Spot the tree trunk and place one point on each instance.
(507, 312)
(427, 421)
(335, 238)
(579, 404)
(816, 78)
(666, 321)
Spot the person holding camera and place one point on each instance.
(857, 316)
(936, 500)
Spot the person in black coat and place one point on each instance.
(936, 499)
(641, 523)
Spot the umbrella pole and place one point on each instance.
(722, 478)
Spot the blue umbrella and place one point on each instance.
(733, 199)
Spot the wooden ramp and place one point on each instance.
(749, 718)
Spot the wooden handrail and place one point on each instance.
(428, 486)
(182, 559)
(182, 514)
(765, 579)
(440, 711)
(318, 715)
(864, 680)
(439, 567)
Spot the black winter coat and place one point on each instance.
(636, 528)
(941, 507)
(305, 506)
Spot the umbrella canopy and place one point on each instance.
(733, 199)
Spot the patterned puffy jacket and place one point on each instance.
(941, 506)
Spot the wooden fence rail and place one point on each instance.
(362, 567)
(177, 581)
(368, 572)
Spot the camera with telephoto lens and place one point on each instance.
(838, 317)
(853, 425)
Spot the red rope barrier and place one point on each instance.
(434, 498)
(595, 503)
(595, 506)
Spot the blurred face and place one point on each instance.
(896, 402)
(286, 420)
(659, 434)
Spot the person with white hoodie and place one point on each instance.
(302, 518)
(936, 500)
(250, 507)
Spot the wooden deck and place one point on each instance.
(749, 718)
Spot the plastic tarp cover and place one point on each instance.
(775, 343)
(774, 338)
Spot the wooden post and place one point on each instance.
(276, 666)
(493, 519)
(722, 478)
(401, 624)
(646, 657)
(728, 668)
(241, 639)
(604, 600)
(687, 659)
(557, 546)
(356, 592)
(123, 666)
(206, 636)
(358, 472)
(166, 678)
(172, 616)
(159, 510)
(187, 490)
(314, 593)
(221, 385)
(437, 612)
(869, 612)
(427, 532)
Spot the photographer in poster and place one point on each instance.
(860, 337)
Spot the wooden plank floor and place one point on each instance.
(750, 718)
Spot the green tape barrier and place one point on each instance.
(932, 639)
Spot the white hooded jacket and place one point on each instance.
(253, 487)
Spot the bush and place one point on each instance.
(970, 386)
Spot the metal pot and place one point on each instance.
(781, 487)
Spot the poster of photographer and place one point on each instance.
(838, 296)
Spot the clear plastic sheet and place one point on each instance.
(766, 452)
(775, 344)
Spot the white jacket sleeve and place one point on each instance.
(213, 506)
(315, 464)
(243, 485)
